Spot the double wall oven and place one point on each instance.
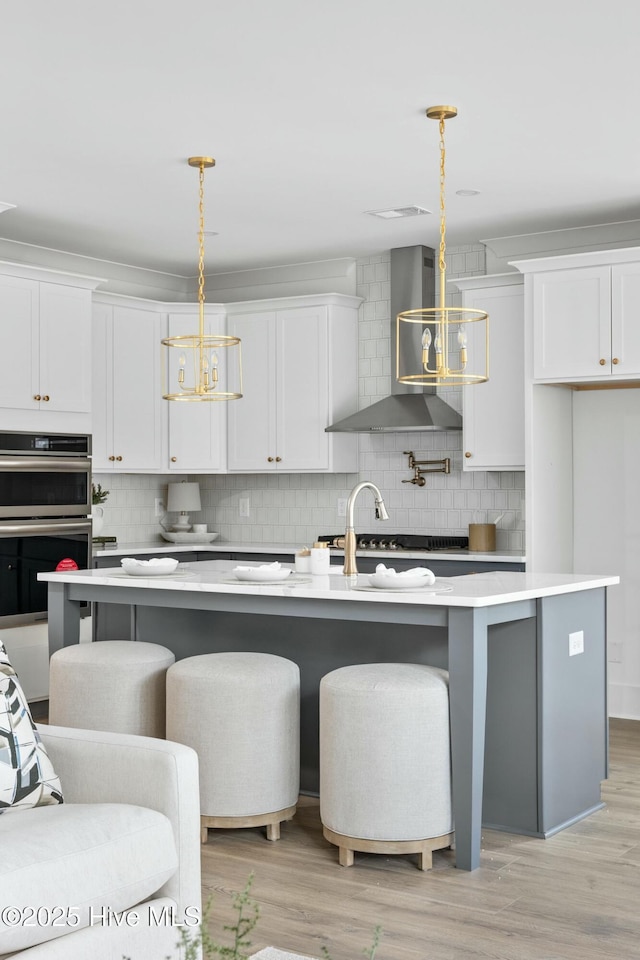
(45, 523)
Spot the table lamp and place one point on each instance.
(182, 498)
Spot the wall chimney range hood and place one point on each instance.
(408, 408)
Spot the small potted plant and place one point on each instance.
(98, 497)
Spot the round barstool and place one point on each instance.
(116, 685)
(241, 714)
(385, 769)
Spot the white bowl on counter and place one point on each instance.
(155, 567)
(188, 536)
(266, 574)
(385, 580)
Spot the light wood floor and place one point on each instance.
(575, 896)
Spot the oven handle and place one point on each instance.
(33, 528)
(47, 464)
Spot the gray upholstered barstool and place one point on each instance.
(116, 685)
(241, 714)
(385, 774)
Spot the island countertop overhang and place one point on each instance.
(475, 590)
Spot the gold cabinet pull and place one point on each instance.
(602, 362)
(111, 458)
(269, 459)
(46, 397)
(118, 458)
(615, 360)
(467, 454)
(37, 397)
(278, 459)
(174, 459)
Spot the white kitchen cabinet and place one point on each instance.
(45, 362)
(299, 359)
(127, 398)
(493, 412)
(585, 310)
(197, 431)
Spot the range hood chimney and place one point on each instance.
(413, 286)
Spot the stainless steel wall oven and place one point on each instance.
(45, 506)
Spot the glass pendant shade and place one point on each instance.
(447, 346)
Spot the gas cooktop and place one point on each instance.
(401, 541)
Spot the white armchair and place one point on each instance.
(127, 873)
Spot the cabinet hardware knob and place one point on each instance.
(602, 363)
(269, 459)
(46, 397)
(37, 397)
(467, 454)
(278, 459)
(111, 458)
(174, 459)
(118, 458)
(615, 360)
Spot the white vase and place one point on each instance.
(97, 519)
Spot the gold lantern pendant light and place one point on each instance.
(454, 340)
(191, 365)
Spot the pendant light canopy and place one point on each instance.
(453, 342)
(202, 366)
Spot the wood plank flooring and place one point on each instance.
(575, 896)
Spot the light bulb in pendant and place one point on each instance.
(426, 343)
(181, 365)
(214, 370)
(462, 343)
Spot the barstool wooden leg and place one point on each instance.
(273, 831)
(204, 834)
(425, 860)
(345, 857)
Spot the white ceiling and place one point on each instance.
(315, 114)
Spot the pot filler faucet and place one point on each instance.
(350, 568)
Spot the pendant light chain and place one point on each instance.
(443, 220)
(201, 250)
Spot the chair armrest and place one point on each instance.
(97, 767)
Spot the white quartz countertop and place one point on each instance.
(216, 576)
(163, 547)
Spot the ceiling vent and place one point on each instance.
(397, 212)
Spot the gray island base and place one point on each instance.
(529, 727)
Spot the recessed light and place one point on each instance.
(396, 213)
(467, 193)
(6, 206)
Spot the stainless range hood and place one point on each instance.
(408, 408)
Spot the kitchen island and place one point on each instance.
(526, 655)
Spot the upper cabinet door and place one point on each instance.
(493, 412)
(127, 422)
(252, 419)
(136, 390)
(302, 389)
(572, 323)
(198, 429)
(625, 319)
(65, 348)
(19, 335)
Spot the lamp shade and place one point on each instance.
(183, 497)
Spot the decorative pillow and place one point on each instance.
(27, 777)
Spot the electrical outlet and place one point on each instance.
(244, 506)
(342, 506)
(576, 643)
(159, 507)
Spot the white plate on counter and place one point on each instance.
(178, 575)
(437, 587)
(266, 574)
